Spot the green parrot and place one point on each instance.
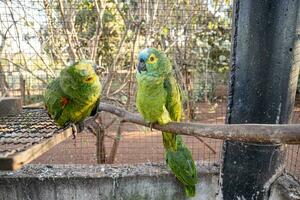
(158, 95)
(159, 101)
(74, 94)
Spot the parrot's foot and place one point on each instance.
(80, 126)
(151, 125)
(74, 130)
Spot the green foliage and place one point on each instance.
(205, 38)
(85, 20)
(196, 35)
(111, 29)
(202, 91)
(218, 46)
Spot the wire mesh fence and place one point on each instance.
(39, 38)
(292, 159)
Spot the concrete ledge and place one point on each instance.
(285, 187)
(118, 182)
(84, 182)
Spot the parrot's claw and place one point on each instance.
(151, 125)
(80, 127)
(74, 130)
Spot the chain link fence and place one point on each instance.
(39, 38)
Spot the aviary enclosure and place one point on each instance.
(39, 38)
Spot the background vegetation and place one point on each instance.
(38, 38)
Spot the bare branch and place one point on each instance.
(260, 133)
(108, 82)
(4, 38)
(114, 149)
(132, 56)
(19, 66)
(205, 144)
(120, 12)
(100, 9)
(181, 32)
(120, 88)
(67, 29)
(110, 123)
(112, 99)
(42, 59)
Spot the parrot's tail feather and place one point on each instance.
(190, 191)
(169, 140)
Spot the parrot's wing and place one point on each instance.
(173, 106)
(55, 100)
(96, 107)
(173, 101)
(183, 166)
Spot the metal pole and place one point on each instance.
(263, 79)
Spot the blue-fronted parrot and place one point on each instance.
(159, 101)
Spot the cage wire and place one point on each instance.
(39, 38)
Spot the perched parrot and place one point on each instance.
(74, 94)
(159, 101)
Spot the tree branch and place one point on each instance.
(67, 30)
(260, 133)
(205, 144)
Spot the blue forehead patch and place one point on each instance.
(144, 54)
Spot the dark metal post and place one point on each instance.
(263, 78)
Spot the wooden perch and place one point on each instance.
(257, 133)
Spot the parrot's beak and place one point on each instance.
(141, 66)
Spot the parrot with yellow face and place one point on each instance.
(74, 94)
(159, 101)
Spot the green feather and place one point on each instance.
(73, 95)
(159, 100)
(174, 108)
(183, 166)
(158, 96)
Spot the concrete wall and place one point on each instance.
(71, 182)
(118, 182)
(285, 187)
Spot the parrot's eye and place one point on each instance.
(89, 79)
(152, 59)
